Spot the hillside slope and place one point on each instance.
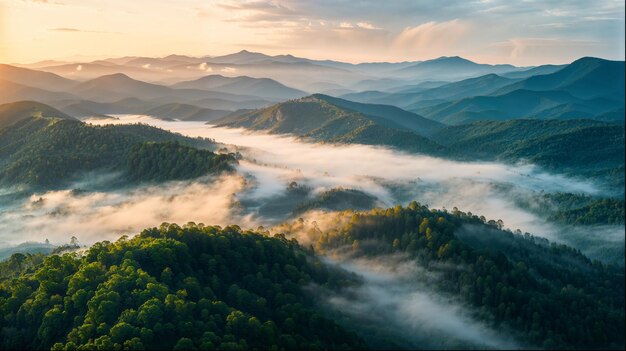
(518, 104)
(319, 118)
(35, 79)
(46, 153)
(552, 284)
(186, 112)
(585, 148)
(585, 78)
(261, 87)
(173, 288)
(12, 113)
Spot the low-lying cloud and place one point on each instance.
(271, 162)
(107, 215)
(396, 296)
(396, 299)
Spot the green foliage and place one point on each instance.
(576, 209)
(47, 153)
(172, 288)
(14, 112)
(602, 211)
(26, 247)
(373, 134)
(171, 160)
(322, 118)
(551, 294)
(582, 147)
(338, 199)
(18, 263)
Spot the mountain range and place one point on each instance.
(412, 113)
(580, 147)
(329, 119)
(586, 88)
(451, 90)
(297, 72)
(335, 268)
(261, 87)
(43, 148)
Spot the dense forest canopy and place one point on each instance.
(48, 153)
(576, 209)
(202, 286)
(546, 291)
(172, 160)
(170, 287)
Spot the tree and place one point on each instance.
(184, 344)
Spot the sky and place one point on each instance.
(487, 31)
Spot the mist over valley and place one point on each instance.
(293, 175)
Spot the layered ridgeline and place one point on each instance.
(586, 88)
(208, 287)
(329, 119)
(186, 112)
(262, 87)
(42, 147)
(118, 93)
(584, 148)
(581, 147)
(201, 110)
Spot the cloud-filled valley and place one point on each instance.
(271, 162)
(328, 175)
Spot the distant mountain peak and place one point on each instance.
(114, 76)
(450, 59)
(589, 60)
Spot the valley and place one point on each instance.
(273, 201)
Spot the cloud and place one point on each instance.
(77, 30)
(65, 30)
(398, 298)
(45, 2)
(358, 25)
(257, 11)
(97, 216)
(518, 48)
(295, 26)
(443, 28)
(205, 67)
(273, 161)
(366, 25)
(433, 36)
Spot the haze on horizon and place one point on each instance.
(485, 31)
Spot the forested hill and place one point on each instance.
(581, 147)
(173, 288)
(50, 152)
(329, 119)
(551, 294)
(207, 287)
(14, 112)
